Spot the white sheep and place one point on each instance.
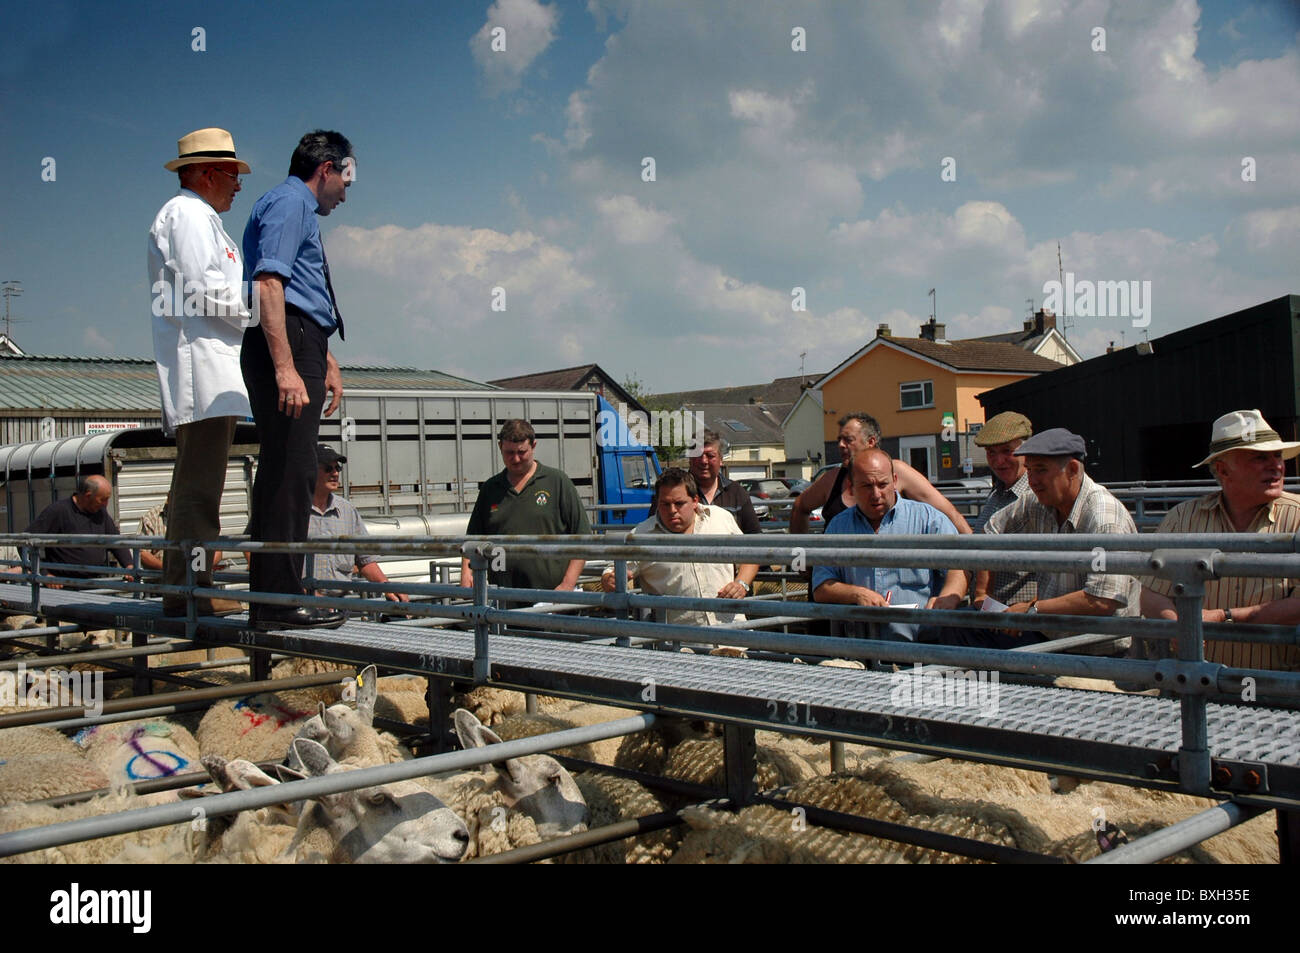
(258, 727)
(142, 750)
(399, 822)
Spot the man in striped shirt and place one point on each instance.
(1246, 458)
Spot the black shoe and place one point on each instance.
(270, 618)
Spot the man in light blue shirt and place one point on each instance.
(881, 510)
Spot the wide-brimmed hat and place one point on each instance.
(1246, 430)
(206, 145)
(1004, 428)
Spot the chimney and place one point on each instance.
(1043, 322)
(882, 331)
(1112, 348)
(933, 331)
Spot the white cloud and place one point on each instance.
(529, 28)
(631, 222)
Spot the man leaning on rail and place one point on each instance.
(1064, 500)
(1246, 458)
(878, 509)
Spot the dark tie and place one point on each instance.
(334, 302)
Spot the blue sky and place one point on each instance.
(775, 168)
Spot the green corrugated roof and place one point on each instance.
(49, 383)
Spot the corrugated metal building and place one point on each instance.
(1146, 412)
(51, 397)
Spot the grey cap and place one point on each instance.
(1057, 442)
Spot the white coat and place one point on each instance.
(199, 315)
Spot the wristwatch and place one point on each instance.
(1227, 615)
(1033, 608)
(744, 585)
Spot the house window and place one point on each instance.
(915, 395)
(753, 454)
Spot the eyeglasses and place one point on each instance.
(237, 178)
(332, 467)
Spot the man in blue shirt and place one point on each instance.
(880, 509)
(286, 362)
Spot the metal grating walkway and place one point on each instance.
(1131, 738)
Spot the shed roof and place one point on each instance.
(54, 382)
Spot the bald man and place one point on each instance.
(878, 509)
(833, 491)
(84, 513)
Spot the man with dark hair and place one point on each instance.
(527, 498)
(717, 490)
(833, 491)
(678, 509)
(287, 364)
(84, 513)
(196, 350)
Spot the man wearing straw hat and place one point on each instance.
(1246, 458)
(199, 319)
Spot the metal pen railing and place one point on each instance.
(1187, 560)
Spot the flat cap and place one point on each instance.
(327, 455)
(1005, 427)
(1057, 442)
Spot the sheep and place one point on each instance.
(572, 715)
(258, 727)
(766, 834)
(611, 799)
(535, 785)
(953, 797)
(36, 776)
(692, 751)
(143, 750)
(489, 704)
(399, 822)
(171, 844)
(38, 762)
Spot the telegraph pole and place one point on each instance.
(10, 289)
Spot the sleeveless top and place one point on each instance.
(835, 504)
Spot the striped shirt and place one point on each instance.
(1208, 515)
(1009, 586)
(1095, 510)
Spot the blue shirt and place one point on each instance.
(908, 586)
(282, 238)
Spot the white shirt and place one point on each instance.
(690, 579)
(199, 316)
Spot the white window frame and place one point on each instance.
(902, 405)
(926, 442)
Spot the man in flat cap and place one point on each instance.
(199, 317)
(1064, 500)
(1247, 459)
(1001, 437)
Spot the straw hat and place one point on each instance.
(206, 145)
(1246, 430)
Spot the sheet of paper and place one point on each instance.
(992, 605)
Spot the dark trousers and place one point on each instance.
(202, 449)
(286, 463)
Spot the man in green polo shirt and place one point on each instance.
(527, 498)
